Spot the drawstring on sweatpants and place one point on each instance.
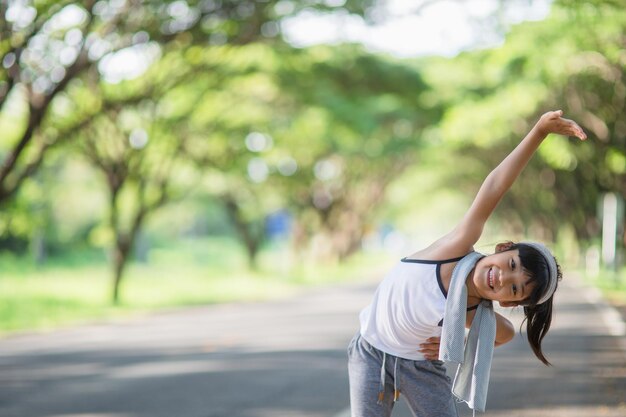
(381, 392)
(396, 391)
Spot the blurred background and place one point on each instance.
(171, 153)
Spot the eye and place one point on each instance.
(513, 264)
(514, 289)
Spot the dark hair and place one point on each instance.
(538, 317)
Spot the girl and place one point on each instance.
(397, 346)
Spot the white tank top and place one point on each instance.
(407, 308)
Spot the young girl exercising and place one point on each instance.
(398, 345)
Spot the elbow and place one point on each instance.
(504, 334)
(503, 340)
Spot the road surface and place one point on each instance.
(287, 358)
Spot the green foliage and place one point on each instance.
(573, 60)
(240, 125)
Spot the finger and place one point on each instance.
(577, 131)
(429, 349)
(430, 354)
(571, 128)
(555, 114)
(580, 133)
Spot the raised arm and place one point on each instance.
(498, 182)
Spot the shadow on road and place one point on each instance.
(285, 358)
(234, 383)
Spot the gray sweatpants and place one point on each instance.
(423, 384)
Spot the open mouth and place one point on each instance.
(490, 278)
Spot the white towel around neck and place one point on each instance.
(473, 359)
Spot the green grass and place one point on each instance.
(612, 285)
(77, 288)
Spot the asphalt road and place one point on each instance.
(287, 358)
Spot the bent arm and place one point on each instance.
(504, 328)
(504, 334)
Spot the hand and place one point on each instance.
(430, 349)
(552, 122)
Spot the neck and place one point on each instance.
(472, 293)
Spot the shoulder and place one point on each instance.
(443, 249)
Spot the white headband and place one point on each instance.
(552, 269)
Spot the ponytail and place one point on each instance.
(538, 320)
(538, 315)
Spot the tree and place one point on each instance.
(44, 45)
(493, 96)
(284, 128)
(138, 165)
(357, 122)
(139, 146)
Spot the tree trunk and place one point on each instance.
(123, 248)
(38, 247)
(120, 257)
(252, 250)
(246, 232)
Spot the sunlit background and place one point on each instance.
(169, 153)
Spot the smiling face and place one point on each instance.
(500, 277)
